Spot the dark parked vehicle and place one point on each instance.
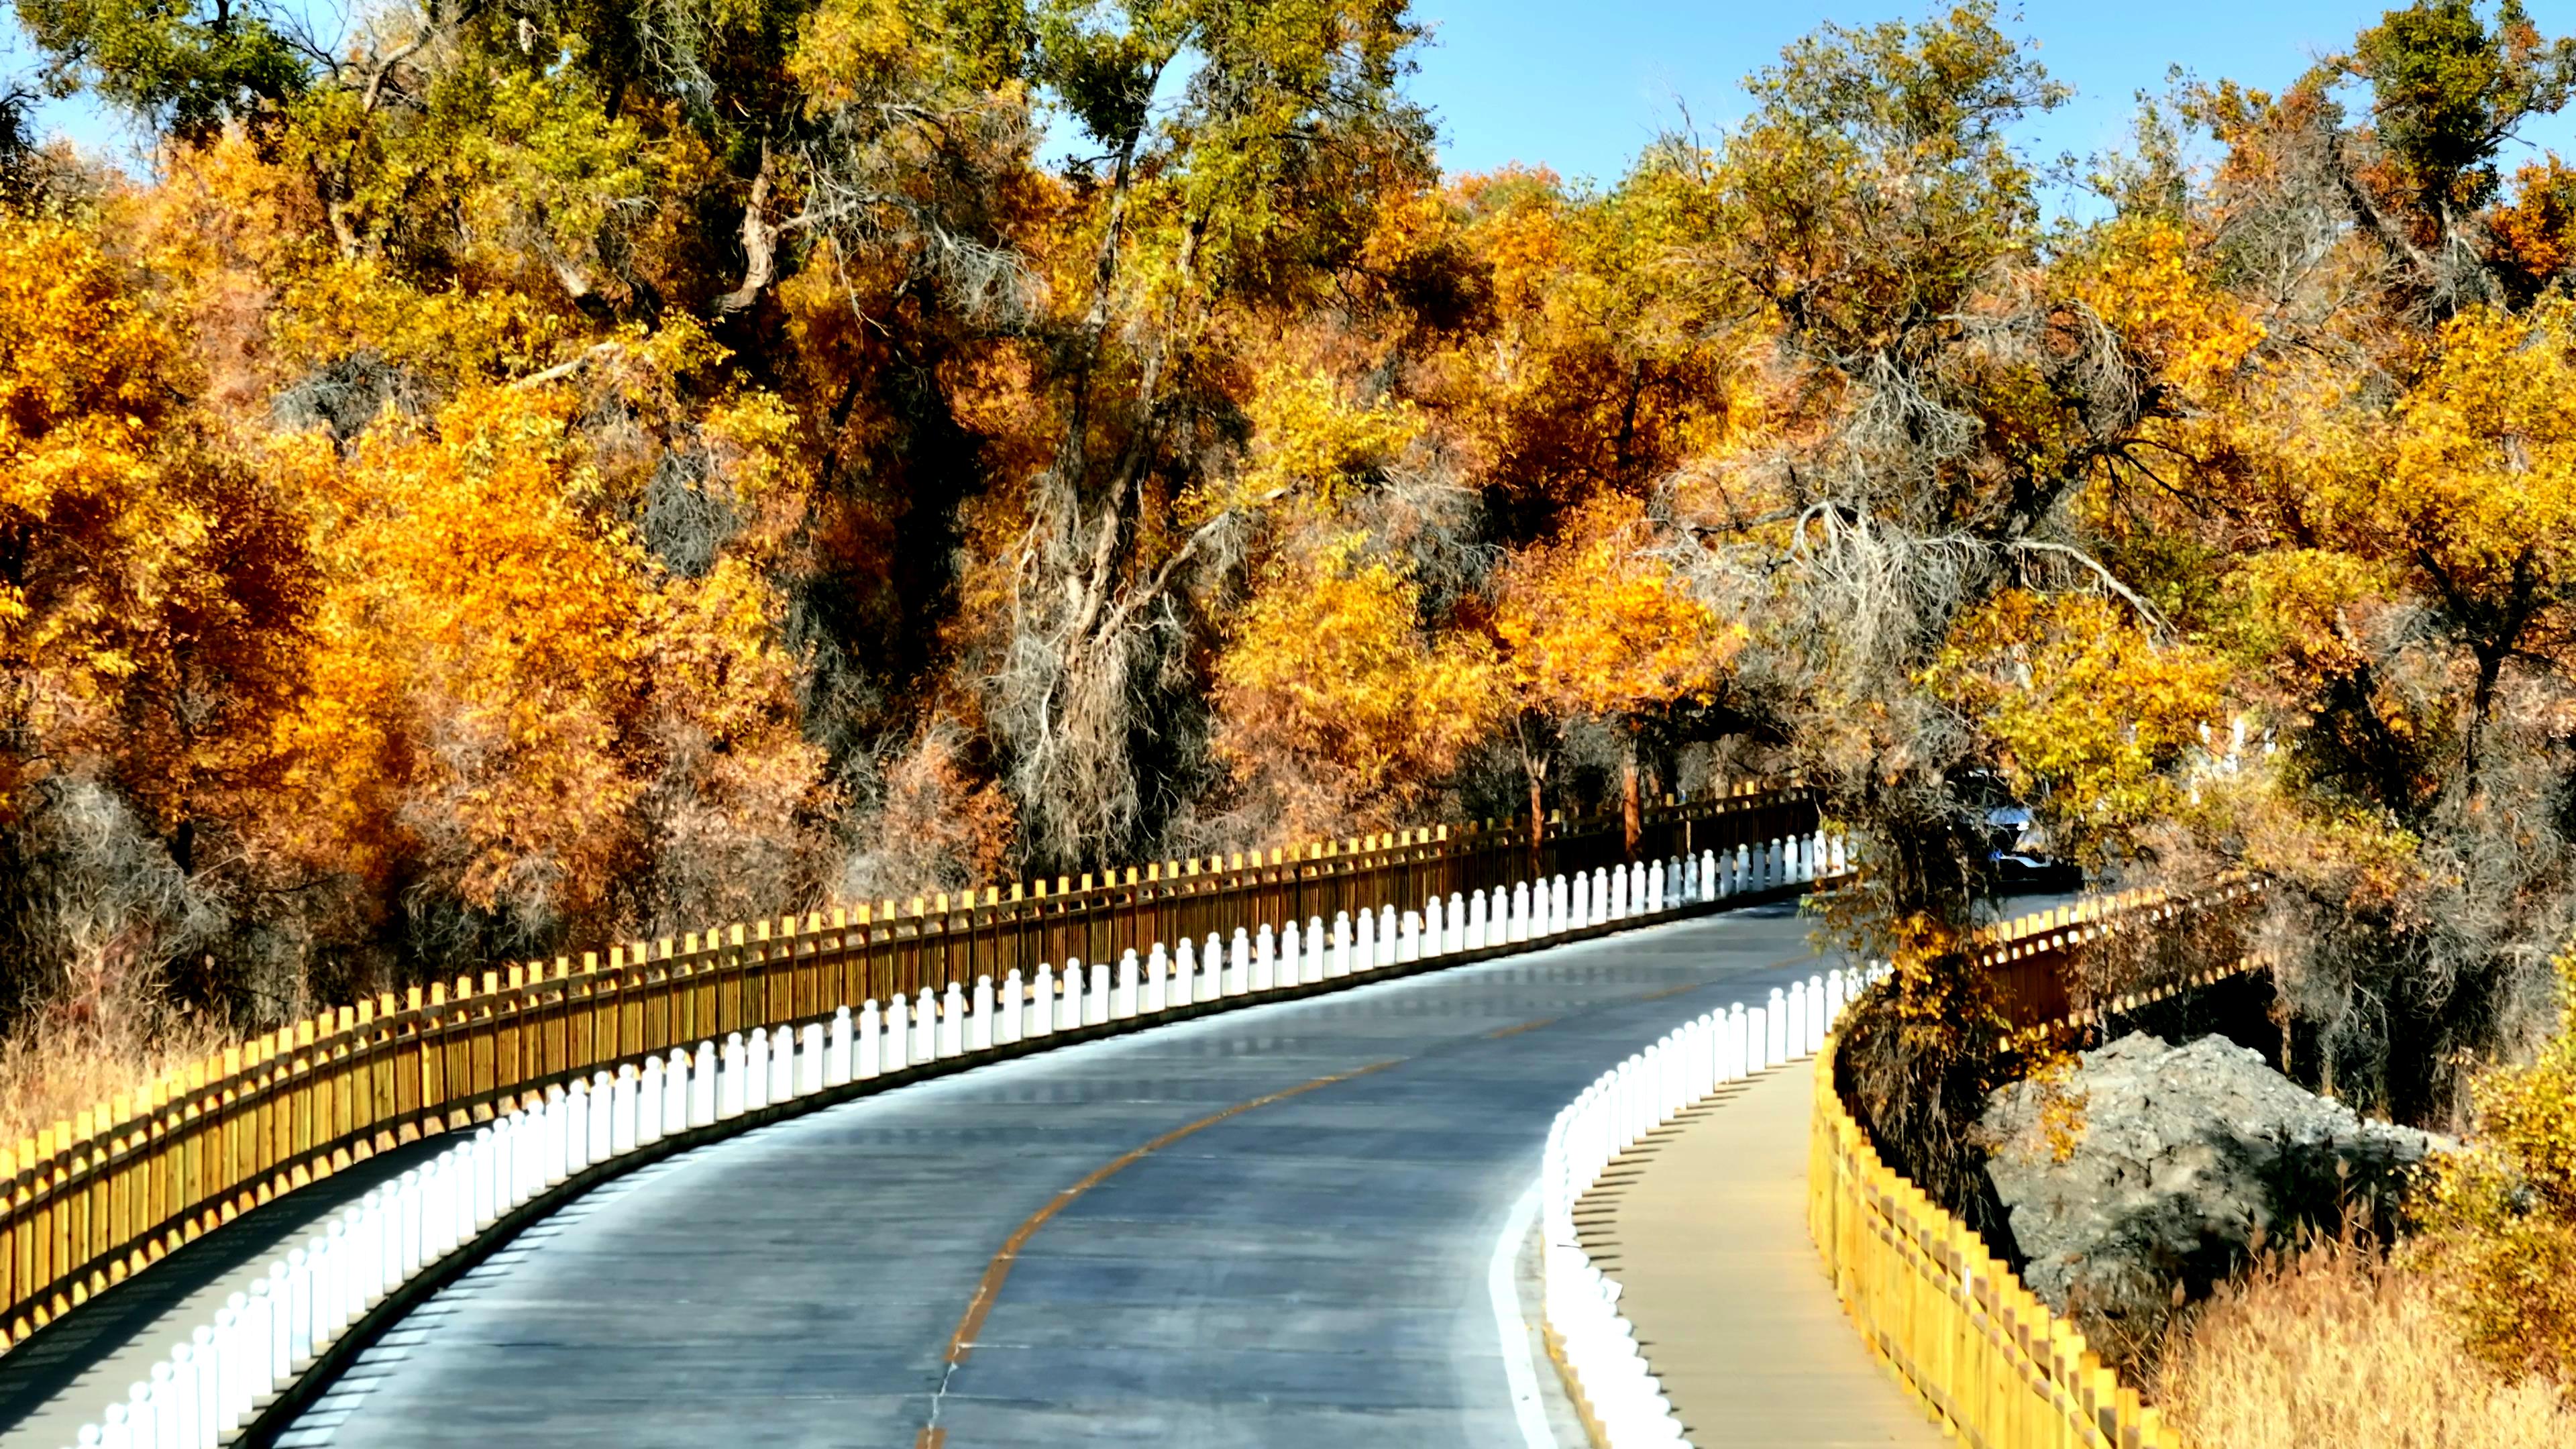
(2017, 858)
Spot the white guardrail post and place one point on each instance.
(1621, 1106)
(216, 1382)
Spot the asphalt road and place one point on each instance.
(1028, 1254)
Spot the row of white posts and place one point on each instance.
(262, 1340)
(1622, 1106)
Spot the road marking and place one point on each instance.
(1502, 1282)
(962, 1342)
(1523, 1376)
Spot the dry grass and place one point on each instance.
(76, 1055)
(2330, 1349)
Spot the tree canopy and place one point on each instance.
(523, 474)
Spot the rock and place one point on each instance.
(2148, 1172)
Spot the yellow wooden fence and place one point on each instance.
(1997, 1368)
(92, 1200)
(1991, 1361)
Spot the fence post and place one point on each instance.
(774, 1074)
(651, 1097)
(1041, 1003)
(836, 1056)
(870, 1042)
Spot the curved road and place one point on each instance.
(1042, 1251)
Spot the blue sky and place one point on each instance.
(1580, 85)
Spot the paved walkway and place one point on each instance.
(1705, 1222)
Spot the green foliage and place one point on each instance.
(2447, 90)
(187, 69)
(1875, 184)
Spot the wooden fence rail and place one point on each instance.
(1997, 1368)
(2035, 959)
(95, 1199)
(1993, 1363)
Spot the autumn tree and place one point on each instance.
(2359, 513)
(521, 723)
(1941, 402)
(2447, 90)
(1332, 690)
(154, 591)
(1596, 367)
(1240, 199)
(189, 67)
(1599, 624)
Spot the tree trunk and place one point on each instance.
(1538, 822)
(1632, 811)
(1533, 769)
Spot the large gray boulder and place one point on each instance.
(2149, 1171)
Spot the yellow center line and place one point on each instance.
(989, 1287)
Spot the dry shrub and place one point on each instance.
(2331, 1348)
(923, 821)
(92, 909)
(2497, 1221)
(80, 1052)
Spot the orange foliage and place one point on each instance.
(500, 676)
(1331, 691)
(151, 588)
(1596, 624)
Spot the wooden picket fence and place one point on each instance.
(98, 1198)
(2031, 957)
(1997, 1368)
(1991, 1361)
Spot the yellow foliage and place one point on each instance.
(2139, 274)
(2498, 1220)
(1329, 685)
(358, 307)
(497, 672)
(2034, 671)
(1594, 371)
(2305, 610)
(2476, 482)
(1596, 624)
(1310, 442)
(143, 562)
